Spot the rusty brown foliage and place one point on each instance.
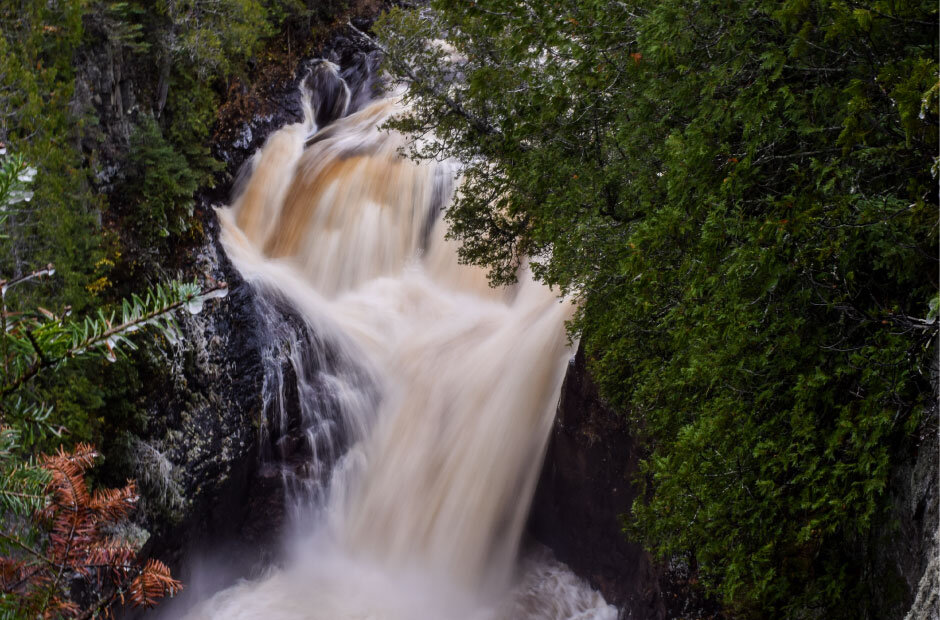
(79, 544)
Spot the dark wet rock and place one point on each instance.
(917, 552)
(584, 492)
(220, 437)
(584, 488)
(907, 548)
(328, 93)
(204, 418)
(253, 112)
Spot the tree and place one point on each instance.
(55, 530)
(159, 186)
(38, 120)
(741, 196)
(80, 543)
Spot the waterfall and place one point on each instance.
(426, 405)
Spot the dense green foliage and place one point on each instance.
(37, 42)
(741, 195)
(113, 103)
(54, 58)
(89, 85)
(159, 184)
(178, 55)
(39, 496)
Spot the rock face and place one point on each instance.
(584, 488)
(912, 550)
(205, 420)
(212, 462)
(917, 554)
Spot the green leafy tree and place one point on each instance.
(741, 196)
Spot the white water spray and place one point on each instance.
(443, 389)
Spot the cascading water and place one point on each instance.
(422, 456)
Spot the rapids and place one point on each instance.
(445, 387)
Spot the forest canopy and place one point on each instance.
(743, 197)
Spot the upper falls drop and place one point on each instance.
(443, 388)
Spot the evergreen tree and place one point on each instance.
(54, 529)
(743, 197)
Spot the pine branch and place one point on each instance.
(153, 583)
(64, 341)
(16, 542)
(6, 285)
(78, 544)
(114, 504)
(22, 484)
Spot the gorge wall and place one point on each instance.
(586, 490)
(198, 458)
(585, 487)
(210, 417)
(584, 495)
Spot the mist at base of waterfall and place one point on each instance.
(327, 583)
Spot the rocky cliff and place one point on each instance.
(218, 398)
(586, 489)
(585, 492)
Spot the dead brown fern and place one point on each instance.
(79, 544)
